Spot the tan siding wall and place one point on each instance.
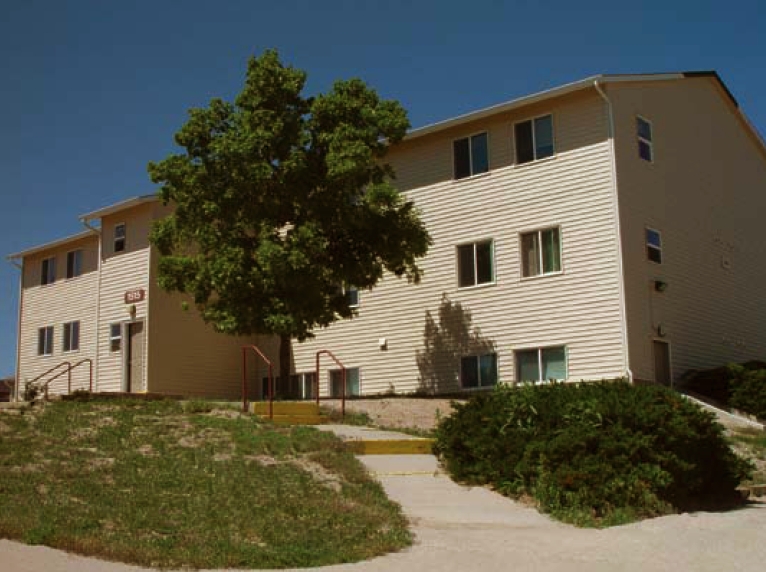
(579, 308)
(706, 193)
(66, 300)
(120, 272)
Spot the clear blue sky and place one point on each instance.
(93, 90)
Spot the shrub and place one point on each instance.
(748, 390)
(715, 383)
(592, 453)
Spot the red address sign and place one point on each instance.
(133, 296)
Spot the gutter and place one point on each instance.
(618, 231)
(96, 361)
(17, 383)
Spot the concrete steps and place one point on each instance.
(369, 441)
(290, 412)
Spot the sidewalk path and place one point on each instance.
(472, 529)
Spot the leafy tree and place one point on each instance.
(281, 201)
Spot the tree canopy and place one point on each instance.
(280, 201)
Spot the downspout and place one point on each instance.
(17, 383)
(618, 232)
(96, 361)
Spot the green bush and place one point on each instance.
(592, 453)
(748, 390)
(715, 383)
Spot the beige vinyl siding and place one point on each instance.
(66, 300)
(706, 193)
(188, 356)
(120, 272)
(429, 326)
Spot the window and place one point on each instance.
(534, 139)
(541, 364)
(352, 382)
(119, 237)
(45, 341)
(73, 263)
(644, 132)
(478, 371)
(540, 252)
(115, 337)
(474, 263)
(48, 271)
(71, 336)
(654, 245)
(471, 155)
(352, 295)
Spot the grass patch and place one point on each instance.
(751, 443)
(168, 484)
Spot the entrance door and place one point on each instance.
(134, 358)
(662, 373)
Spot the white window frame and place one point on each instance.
(45, 335)
(651, 246)
(539, 350)
(648, 142)
(535, 158)
(120, 239)
(493, 266)
(73, 327)
(49, 277)
(76, 257)
(478, 371)
(539, 232)
(115, 338)
(470, 156)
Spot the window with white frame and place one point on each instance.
(654, 245)
(73, 263)
(71, 341)
(474, 263)
(48, 271)
(45, 341)
(478, 371)
(644, 134)
(119, 237)
(541, 364)
(471, 155)
(541, 252)
(352, 382)
(115, 337)
(534, 139)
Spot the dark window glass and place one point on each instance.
(525, 151)
(48, 271)
(45, 341)
(543, 137)
(469, 371)
(352, 295)
(462, 154)
(653, 246)
(479, 154)
(119, 237)
(483, 262)
(466, 266)
(73, 263)
(645, 150)
(71, 336)
(644, 129)
(488, 370)
(352, 382)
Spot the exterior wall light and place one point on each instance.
(660, 285)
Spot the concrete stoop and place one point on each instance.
(289, 412)
(369, 441)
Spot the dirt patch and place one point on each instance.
(413, 413)
(319, 473)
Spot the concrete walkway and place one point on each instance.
(462, 528)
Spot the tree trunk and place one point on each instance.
(284, 361)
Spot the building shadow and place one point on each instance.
(446, 339)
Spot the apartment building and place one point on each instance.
(605, 228)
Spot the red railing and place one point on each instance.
(259, 353)
(343, 379)
(68, 371)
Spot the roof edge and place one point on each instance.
(49, 245)
(120, 206)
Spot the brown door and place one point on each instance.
(662, 373)
(134, 369)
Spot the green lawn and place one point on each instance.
(169, 484)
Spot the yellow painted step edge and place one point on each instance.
(391, 447)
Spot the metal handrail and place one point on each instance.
(343, 377)
(90, 373)
(68, 371)
(244, 378)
